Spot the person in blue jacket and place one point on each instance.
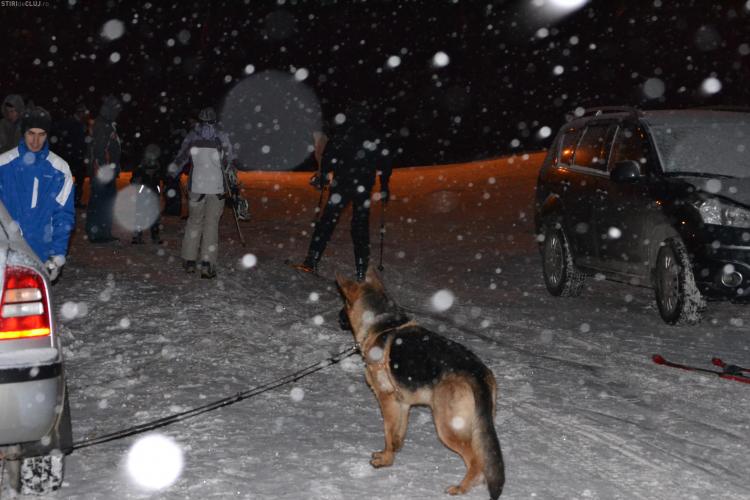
(36, 187)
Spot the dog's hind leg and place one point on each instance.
(395, 420)
(454, 414)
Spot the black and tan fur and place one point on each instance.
(408, 365)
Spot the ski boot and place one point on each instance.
(155, 239)
(208, 270)
(137, 238)
(360, 267)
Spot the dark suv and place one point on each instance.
(652, 198)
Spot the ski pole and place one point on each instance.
(382, 233)
(237, 223)
(319, 208)
(234, 208)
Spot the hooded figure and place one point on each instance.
(36, 187)
(148, 176)
(71, 134)
(104, 168)
(353, 157)
(10, 125)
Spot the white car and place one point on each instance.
(35, 426)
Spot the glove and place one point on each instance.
(317, 181)
(173, 170)
(54, 265)
(384, 194)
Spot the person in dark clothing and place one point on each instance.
(173, 191)
(10, 125)
(148, 174)
(351, 160)
(104, 168)
(71, 135)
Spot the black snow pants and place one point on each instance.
(338, 199)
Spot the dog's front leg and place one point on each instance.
(395, 419)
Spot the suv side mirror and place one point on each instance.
(625, 171)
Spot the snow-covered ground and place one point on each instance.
(582, 411)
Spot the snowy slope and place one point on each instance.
(582, 412)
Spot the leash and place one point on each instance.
(178, 417)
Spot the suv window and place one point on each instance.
(593, 150)
(630, 144)
(568, 145)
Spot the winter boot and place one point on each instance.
(208, 270)
(155, 236)
(189, 266)
(305, 267)
(309, 265)
(137, 238)
(360, 266)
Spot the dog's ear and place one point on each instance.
(348, 287)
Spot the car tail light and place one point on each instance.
(24, 311)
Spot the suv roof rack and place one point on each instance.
(725, 107)
(600, 110)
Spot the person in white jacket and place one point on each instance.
(210, 153)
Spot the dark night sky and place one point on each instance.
(499, 88)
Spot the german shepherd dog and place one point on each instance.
(408, 365)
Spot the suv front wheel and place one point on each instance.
(677, 295)
(561, 275)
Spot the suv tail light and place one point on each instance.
(24, 311)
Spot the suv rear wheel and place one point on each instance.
(561, 275)
(677, 295)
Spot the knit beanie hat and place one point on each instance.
(36, 117)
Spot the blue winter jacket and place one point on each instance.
(37, 189)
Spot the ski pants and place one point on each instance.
(99, 210)
(202, 228)
(360, 230)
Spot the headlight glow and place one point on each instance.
(715, 211)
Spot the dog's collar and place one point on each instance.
(391, 322)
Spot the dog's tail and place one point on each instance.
(488, 443)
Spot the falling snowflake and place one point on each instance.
(442, 300)
(113, 29)
(249, 260)
(155, 462)
(440, 59)
(711, 85)
(297, 394)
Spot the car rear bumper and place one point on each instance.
(29, 400)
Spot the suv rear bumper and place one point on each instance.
(31, 402)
